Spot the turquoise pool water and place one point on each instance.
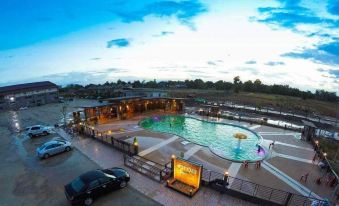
(218, 137)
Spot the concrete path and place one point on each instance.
(288, 180)
(255, 127)
(293, 158)
(192, 151)
(295, 146)
(233, 171)
(157, 146)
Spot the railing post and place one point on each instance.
(241, 184)
(270, 195)
(289, 196)
(255, 189)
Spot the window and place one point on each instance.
(78, 185)
(104, 180)
(49, 146)
(93, 184)
(35, 128)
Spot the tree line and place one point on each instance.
(236, 86)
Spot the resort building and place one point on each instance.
(28, 95)
(121, 108)
(144, 93)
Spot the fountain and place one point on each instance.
(239, 136)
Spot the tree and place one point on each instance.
(63, 111)
(257, 85)
(248, 86)
(236, 84)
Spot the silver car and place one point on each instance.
(53, 147)
(36, 130)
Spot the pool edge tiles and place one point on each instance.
(217, 136)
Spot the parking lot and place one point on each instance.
(26, 180)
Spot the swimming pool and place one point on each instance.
(218, 137)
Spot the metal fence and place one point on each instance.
(118, 144)
(251, 189)
(149, 168)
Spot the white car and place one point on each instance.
(53, 147)
(36, 130)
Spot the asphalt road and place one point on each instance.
(26, 180)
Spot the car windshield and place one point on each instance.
(119, 172)
(78, 185)
(42, 146)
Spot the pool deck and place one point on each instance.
(289, 159)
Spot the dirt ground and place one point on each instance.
(26, 180)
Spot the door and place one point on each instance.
(59, 148)
(106, 184)
(94, 189)
(53, 149)
(35, 130)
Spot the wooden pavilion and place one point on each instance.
(122, 108)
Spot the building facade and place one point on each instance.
(28, 95)
(127, 107)
(149, 93)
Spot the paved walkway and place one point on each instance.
(192, 151)
(292, 158)
(106, 157)
(255, 127)
(233, 171)
(158, 146)
(290, 181)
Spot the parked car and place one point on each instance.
(52, 148)
(36, 130)
(89, 186)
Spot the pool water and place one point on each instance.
(218, 137)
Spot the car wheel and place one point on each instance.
(46, 156)
(123, 184)
(67, 149)
(88, 201)
(30, 135)
(45, 133)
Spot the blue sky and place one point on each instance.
(294, 42)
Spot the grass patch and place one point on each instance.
(262, 100)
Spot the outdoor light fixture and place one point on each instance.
(317, 142)
(12, 99)
(173, 156)
(325, 154)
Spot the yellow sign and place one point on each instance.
(187, 172)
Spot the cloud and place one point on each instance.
(271, 63)
(324, 54)
(250, 70)
(212, 63)
(333, 7)
(118, 43)
(251, 62)
(335, 73)
(290, 14)
(195, 71)
(183, 10)
(163, 33)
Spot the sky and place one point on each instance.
(292, 42)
